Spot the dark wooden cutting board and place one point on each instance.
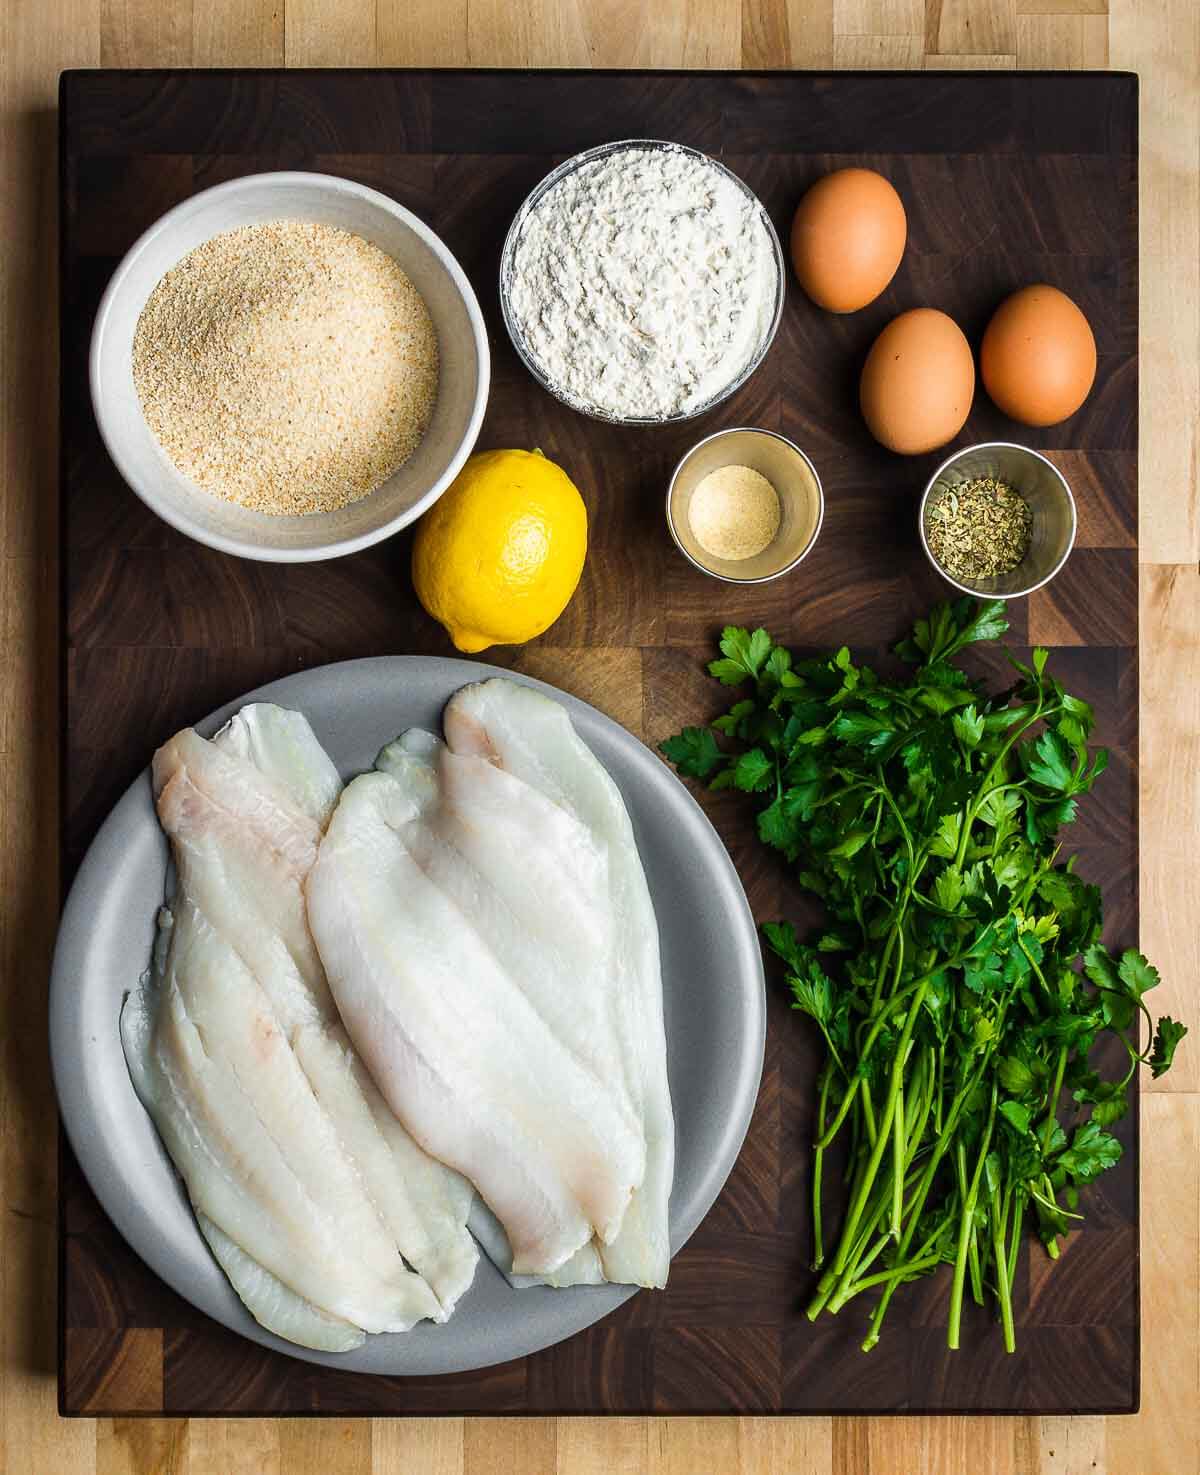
(1007, 179)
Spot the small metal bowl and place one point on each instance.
(796, 483)
(508, 253)
(1043, 486)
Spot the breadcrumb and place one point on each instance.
(289, 367)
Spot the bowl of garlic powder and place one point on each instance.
(289, 367)
(642, 282)
(745, 505)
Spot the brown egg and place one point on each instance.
(1038, 358)
(848, 237)
(918, 382)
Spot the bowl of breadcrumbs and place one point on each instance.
(289, 367)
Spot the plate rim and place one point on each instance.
(68, 1060)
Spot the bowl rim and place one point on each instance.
(1003, 445)
(814, 535)
(570, 166)
(272, 180)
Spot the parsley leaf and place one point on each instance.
(694, 752)
(754, 771)
(781, 824)
(1016, 1115)
(1101, 969)
(1050, 763)
(1014, 1075)
(1136, 974)
(863, 730)
(1166, 1038)
(946, 834)
(1090, 1153)
(948, 889)
(968, 726)
(744, 655)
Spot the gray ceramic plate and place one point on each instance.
(712, 975)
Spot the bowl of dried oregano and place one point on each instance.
(997, 520)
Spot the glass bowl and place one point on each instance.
(576, 162)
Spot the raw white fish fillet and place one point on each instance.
(465, 927)
(531, 738)
(310, 1193)
(278, 1309)
(494, 955)
(582, 1268)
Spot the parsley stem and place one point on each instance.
(960, 1168)
(1003, 1290)
(864, 1252)
(941, 1142)
(898, 1062)
(905, 832)
(885, 959)
(842, 1112)
(1041, 977)
(898, 1145)
(818, 1170)
(1052, 1105)
(1014, 1247)
(977, 1265)
(971, 813)
(855, 1139)
(914, 1267)
(965, 1224)
(1142, 1056)
(914, 1126)
(868, 1111)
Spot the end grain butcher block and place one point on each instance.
(1007, 179)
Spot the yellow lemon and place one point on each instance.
(499, 555)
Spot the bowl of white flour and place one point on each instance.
(642, 282)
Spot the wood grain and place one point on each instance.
(1161, 40)
(964, 28)
(1158, 38)
(315, 1446)
(239, 1447)
(131, 1446)
(1170, 798)
(431, 1446)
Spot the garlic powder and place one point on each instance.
(734, 513)
(643, 283)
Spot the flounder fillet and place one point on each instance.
(484, 922)
(326, 1216)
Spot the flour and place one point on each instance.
(643, 283)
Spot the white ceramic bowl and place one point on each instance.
(462, 389)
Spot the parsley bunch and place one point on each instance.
(960, 982)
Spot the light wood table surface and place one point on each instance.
(1160, 39)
